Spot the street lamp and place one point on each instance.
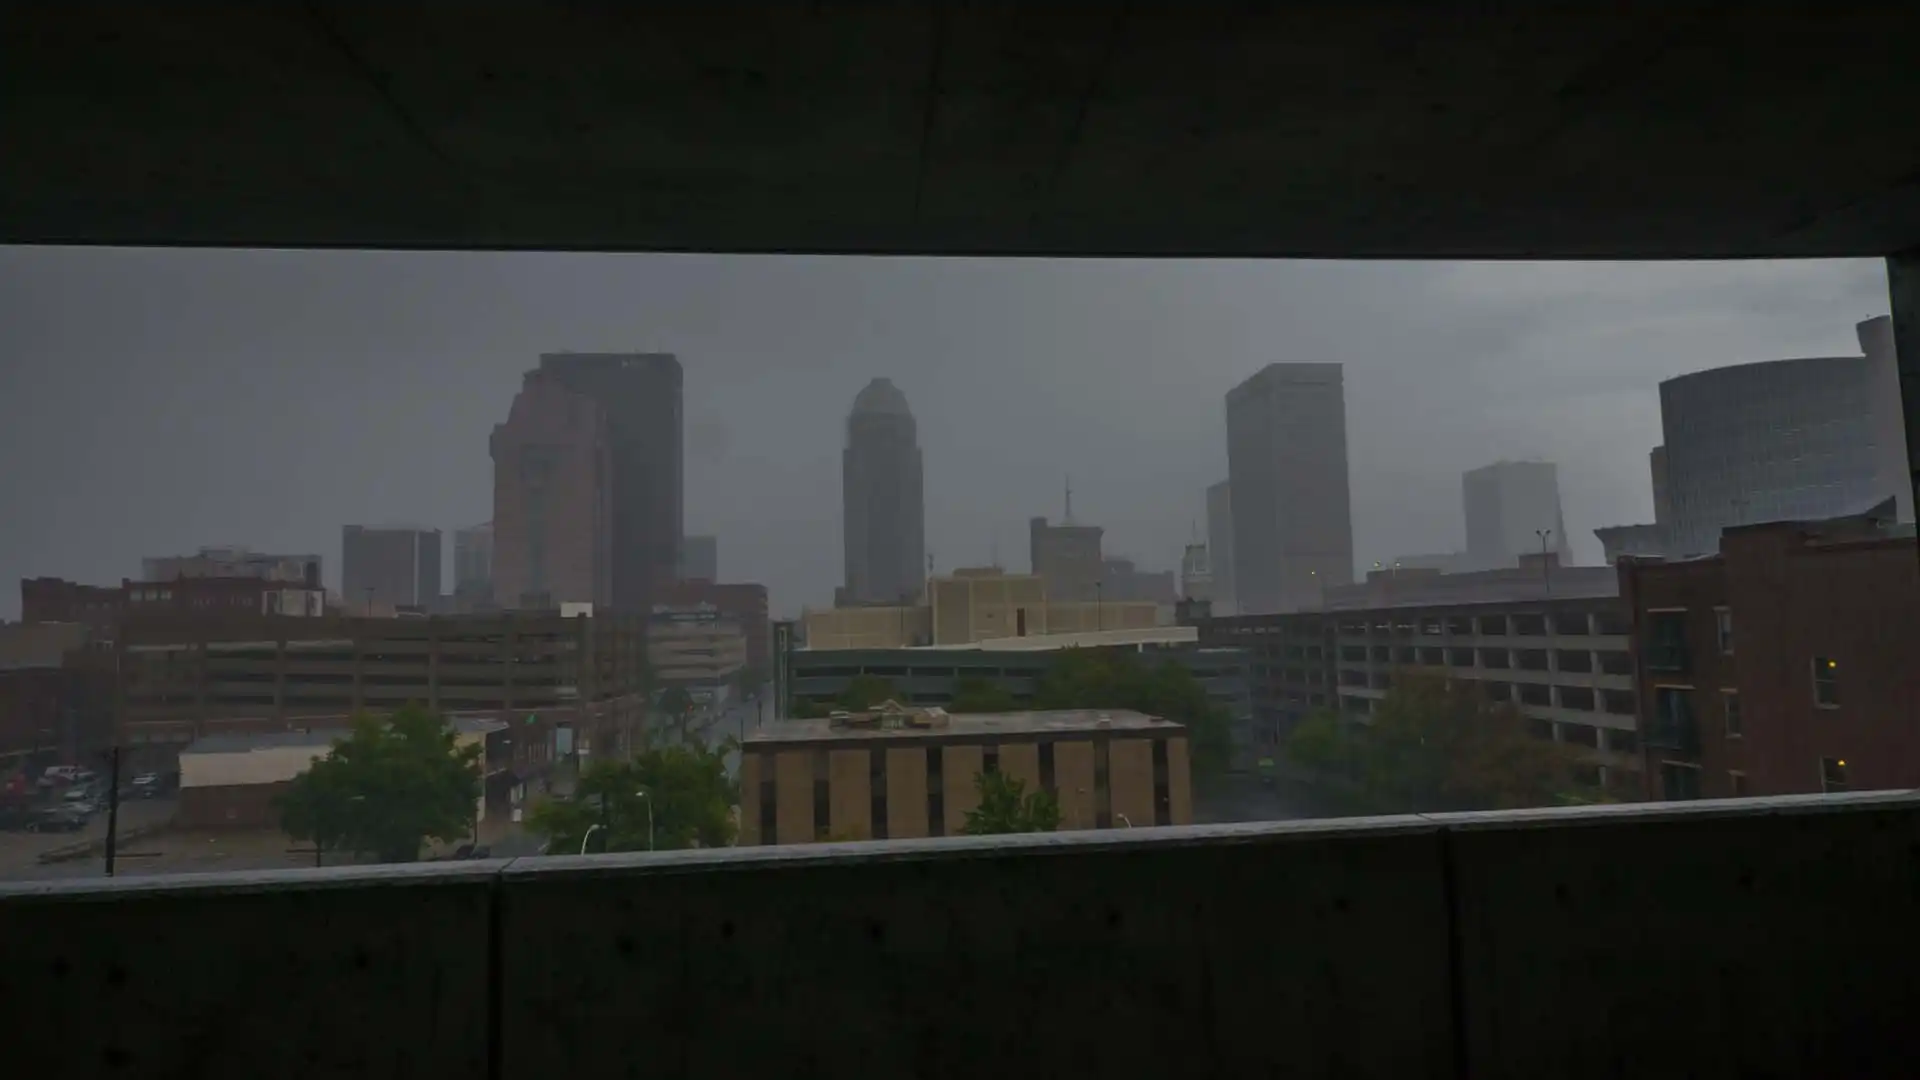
(643, 795)
(591, 829)
(1124, 820)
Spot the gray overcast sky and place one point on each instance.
(156, 401)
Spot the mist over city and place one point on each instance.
(161, 401)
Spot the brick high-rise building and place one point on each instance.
(553, 513)
(639, 396)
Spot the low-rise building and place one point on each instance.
(970, 606)
(696, 649)
(1782, 665)
(1560, 654)
(898, 773)
(241, 673)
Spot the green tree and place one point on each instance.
(1435, 745)
(866, 691)
(1116, 679)
(686, 787)
(1006, 806)
(807, 709)
(388, 788)
(973, 694)
(1322, 743)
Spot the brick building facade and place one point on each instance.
(1782, 665)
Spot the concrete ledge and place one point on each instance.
(1759, 937)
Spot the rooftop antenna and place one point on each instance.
(1069, 518)
(993, 553)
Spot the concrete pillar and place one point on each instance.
(1903, 288)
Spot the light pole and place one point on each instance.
(1124, 820)
(591, 829)
(643, 795)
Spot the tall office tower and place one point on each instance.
(1509, 506)
(1783, 440)
(1287, 471)
(1066, 557)
(639, 396)
(553, 499)
(473, 567)
(882, 501)
(1220, 545)
(1657, 468)
(387, 567)
(700, 558)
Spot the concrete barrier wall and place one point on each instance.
(1765, 937)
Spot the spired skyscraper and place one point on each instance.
(884, 523)
(1287, 484)
(639, 399)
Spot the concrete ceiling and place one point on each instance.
(1200, 128)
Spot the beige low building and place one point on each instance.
(970, 606)
(898, 773)
(696, 653)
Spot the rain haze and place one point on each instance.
(157, 401)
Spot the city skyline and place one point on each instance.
(1066, 356)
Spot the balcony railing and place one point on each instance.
(1438, 946)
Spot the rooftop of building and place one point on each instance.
(319, 733)
(1504, 586)
(881, 397)
(893, 721)
(1092, 639)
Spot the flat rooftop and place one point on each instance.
(969, 725)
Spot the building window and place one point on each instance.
(1046, 768)
(1730, 702)
(1162, 793)
(1102, 793)
(1679, 781)
(1833, 775)
(769, 807)
(936, 794)
(1723, 630)
(877, 785)
(1826, 682)
(822, 797)
(1737, 783)
(990, 759)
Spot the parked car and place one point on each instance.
(61, 818)
(65, 774)
(148, 785)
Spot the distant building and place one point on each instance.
(1662, 499)
(385, 569)
(232, 562)
(883, 527)
(1122, 581)
(1449, 562)
(641, 423)
(1561, 656)
(700, 558)
(1196, 573)
(697, 649)
(1220, 546)
(1287, 467)
(237, 673)
(1783, 664)
(742, 603)
(1065, 556)
(105, 608)
(898, 773)
(57, 600)
(1644, 541)
(553, 512)
(969, 606)
(1513, 509)
(473, 568)
(1783, 440)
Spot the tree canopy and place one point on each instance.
(973, 694)
(690, 793)
(1006, 806)
(1436, 745)
(388, 788)
(1116, 679)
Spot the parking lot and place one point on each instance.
(20, 851)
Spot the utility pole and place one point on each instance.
(113, 802)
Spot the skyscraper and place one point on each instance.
(1508, 505)
(639, 398)
(1065, 556)
(552, 499)
(1220, 546)
(1287, 476)
(387, 567)
(1657, 469)
(473, 567)
(884, 513)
